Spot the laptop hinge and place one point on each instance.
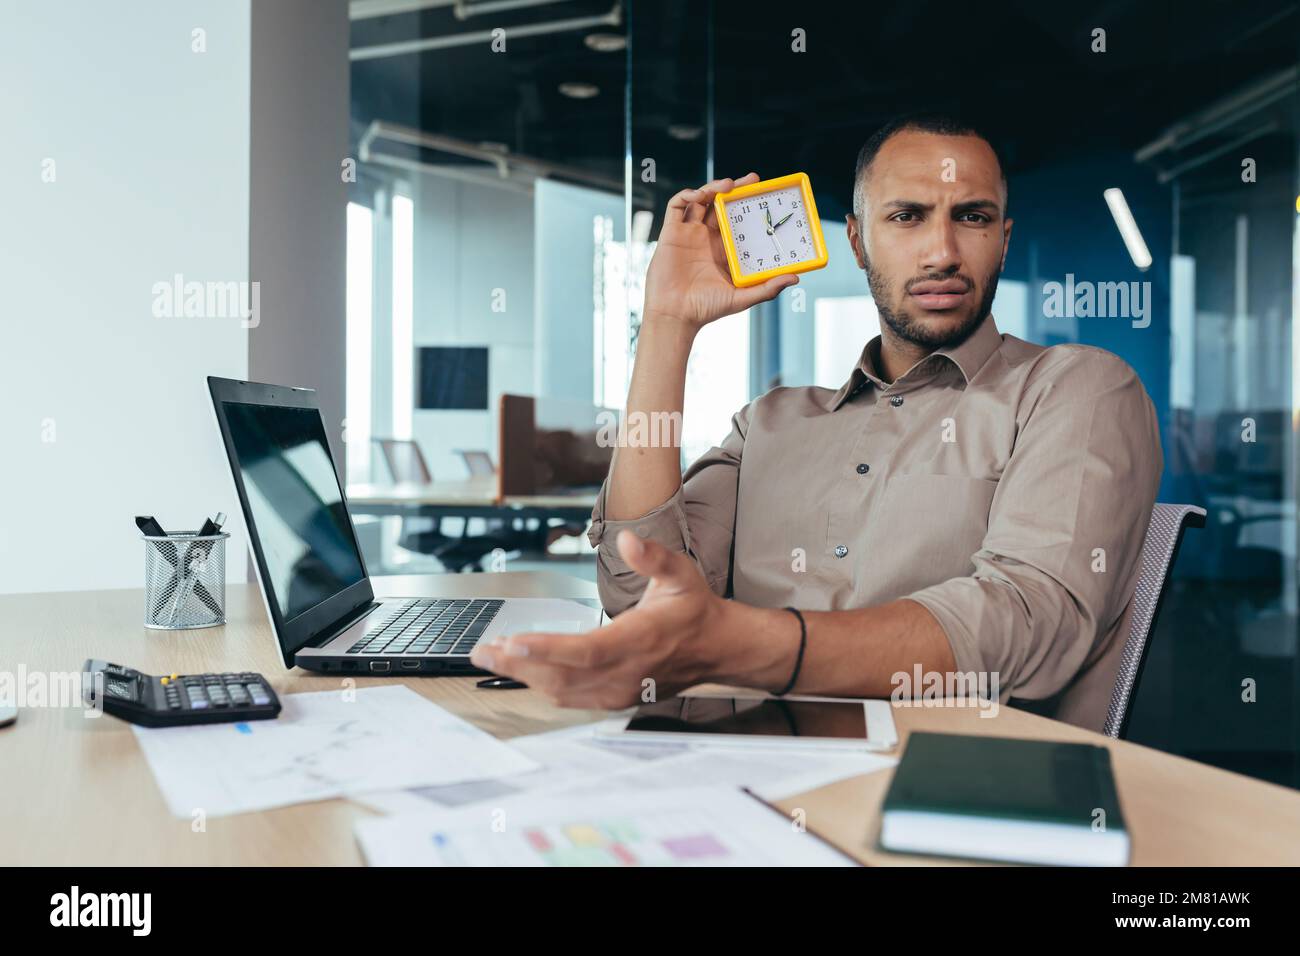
(360, 611)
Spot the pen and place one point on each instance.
(190, 566)
(150, 528)
(500, 683)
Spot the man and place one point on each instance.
(967, 503)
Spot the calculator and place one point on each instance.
(176, 700)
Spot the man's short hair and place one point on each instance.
(943, 124)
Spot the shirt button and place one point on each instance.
(896, 400)
(841, 551)
(863, 468)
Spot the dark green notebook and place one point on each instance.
(995, 798)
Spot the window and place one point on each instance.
(360, 324)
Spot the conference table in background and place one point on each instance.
(79, 792)
(470, 498)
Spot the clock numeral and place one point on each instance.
(745, 256)
(762, 205)
(760, 262)
(777, 257)
(740, 237)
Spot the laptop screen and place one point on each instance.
(295, 503)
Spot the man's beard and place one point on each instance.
(912, 330)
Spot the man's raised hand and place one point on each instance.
(688, 281)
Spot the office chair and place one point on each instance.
(479, 463)
(406, 463)
(1164, 535)
(516, 534)
(405, 460)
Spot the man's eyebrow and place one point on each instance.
(976, 204)
(908, 204)
(970, 205)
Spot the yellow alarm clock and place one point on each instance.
(770, 228)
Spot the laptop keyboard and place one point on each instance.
(430, 627)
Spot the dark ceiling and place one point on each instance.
(1022, 68)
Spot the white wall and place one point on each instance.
(471, 240)
(150, 142)
(564, 327)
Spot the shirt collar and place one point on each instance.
(968, 356)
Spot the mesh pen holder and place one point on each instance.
(184, 581)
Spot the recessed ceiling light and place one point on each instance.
(605, 42)
(684, 131)
(579, 91)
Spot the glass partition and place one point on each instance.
(514, 165)
(1179, 129)
(485, 231)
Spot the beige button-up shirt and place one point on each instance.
(1004, 486)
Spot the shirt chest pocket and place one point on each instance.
(928, 526)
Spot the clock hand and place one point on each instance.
(777, 242)
(768, 214)
(787, 216)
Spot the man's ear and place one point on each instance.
(855, 240)
(1006, 241)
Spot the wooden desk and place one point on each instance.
(77, 791)
(472, 498)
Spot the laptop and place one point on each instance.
(314, 582)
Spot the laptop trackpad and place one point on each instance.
(547, 617)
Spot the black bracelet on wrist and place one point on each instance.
(798, 661)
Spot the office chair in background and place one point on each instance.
(519, 534)
(479, 463)
(406, 463)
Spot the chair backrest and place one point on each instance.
(1164, 534)
(405, 460)
(479, 463)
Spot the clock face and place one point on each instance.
(770, 230)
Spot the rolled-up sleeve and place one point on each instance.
(699, 520)
(1060, 560)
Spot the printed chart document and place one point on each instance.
(322, 745)
(691, 826)
(575, 760)
(563, 757)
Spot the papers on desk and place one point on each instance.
(575, 761)
(322, 745)
(594, 802)
(696, 826)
